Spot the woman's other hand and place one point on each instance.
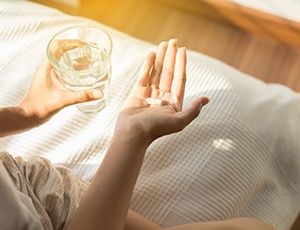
(163, 77)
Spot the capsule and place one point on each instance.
(154, 101)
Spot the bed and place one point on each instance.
(240, 158)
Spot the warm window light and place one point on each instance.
(72, 3)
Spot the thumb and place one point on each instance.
(84, 96)
(189, 114)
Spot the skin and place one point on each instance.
(106, 203)
(44, 98)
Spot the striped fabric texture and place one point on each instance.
(240, 158)
(54, 191)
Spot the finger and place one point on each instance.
(46, 72)
(46, 64)
(156, 71)
(146, 69)
(83, 96)
(168, 66)
(187, 115)
(179, 78)
(59, 47)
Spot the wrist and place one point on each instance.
(136, 136)
(14, 120)
(30, 117)
(31, 113)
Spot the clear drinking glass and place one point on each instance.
(81, 56)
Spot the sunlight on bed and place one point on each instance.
(224, 144)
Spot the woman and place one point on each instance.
(153, 109)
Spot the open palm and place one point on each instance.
(163, 77)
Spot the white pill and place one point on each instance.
(154, 101)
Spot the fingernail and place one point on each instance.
(174, 40)
(97, 94)
(205, 101)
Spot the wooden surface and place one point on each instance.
(211, 27)
(156, 20)
(260, 23)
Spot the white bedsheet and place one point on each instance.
(241, 157)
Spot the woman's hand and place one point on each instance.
(46, 96)
(163, 77)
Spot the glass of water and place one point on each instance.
(81, 56)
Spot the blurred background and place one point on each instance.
(256, 41)
(258, 37)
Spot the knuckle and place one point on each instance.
(168, 72)
(81, 97)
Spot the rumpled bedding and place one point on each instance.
(240, 158)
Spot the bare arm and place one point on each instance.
(230, 224)
(44, 98)
(136, 222)
(106, 203)
(14, 120)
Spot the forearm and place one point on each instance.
(134, 221)
(13, 120)
(106, 203)
(230, 224)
